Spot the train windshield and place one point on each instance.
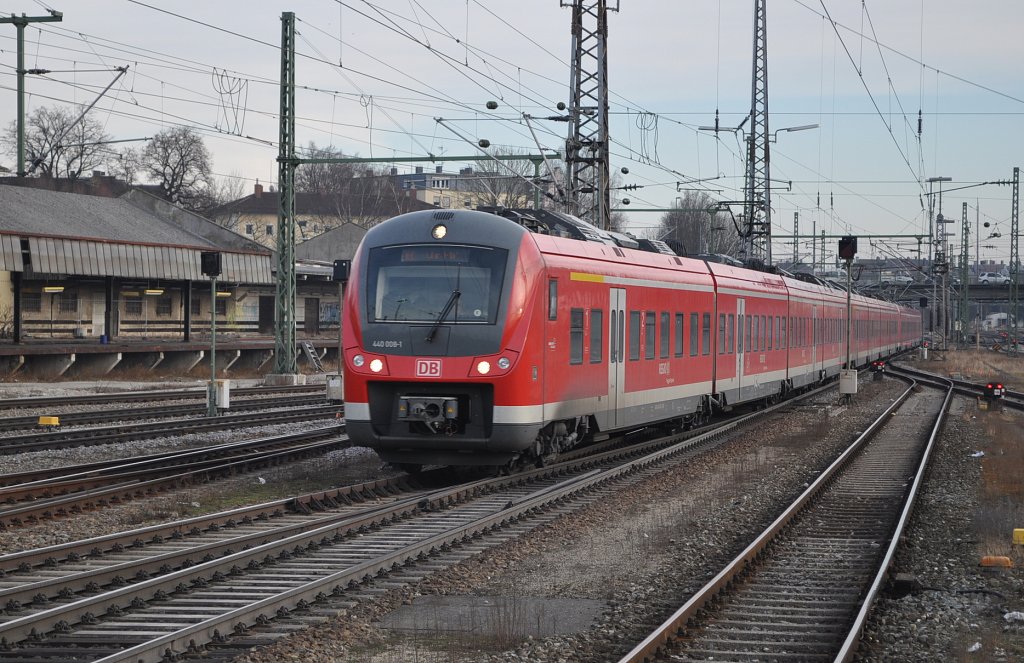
(435, 283)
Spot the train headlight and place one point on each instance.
(358, 361)
(504, 363)
(376, 365)
(439, 231)
(484, 367)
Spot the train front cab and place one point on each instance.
(436, 319)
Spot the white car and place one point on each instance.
(894, 278)
(993, 278)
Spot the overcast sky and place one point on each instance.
(373, 77)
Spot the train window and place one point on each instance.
(756, 334)
(552, 299)
(768, 334)
(456, 284)
(650, 331)
(782, 332)
(721, 333)
(634, 335)
(694, 335)
(596, 335)
(732, 332)
(679, 333)
(666, 333)
(576, 336)
(739, 333)
(750, 326)
(705, 335)
(764, 332)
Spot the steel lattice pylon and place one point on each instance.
(586, 148)
(1015, 259)
(284, 323)
(757, 203)
(965, 273)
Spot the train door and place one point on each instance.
(741, 306)
(616, 356)
(816, 352)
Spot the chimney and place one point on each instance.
(437, 169)
(258, 190)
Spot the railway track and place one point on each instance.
(126, 432)
(73, 491)
(246, 589)
(160, 412)
(803, 588)
(149, 395)
(1011, 399)
(251, 590)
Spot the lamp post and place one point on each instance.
(210, 263)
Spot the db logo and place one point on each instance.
(428, 368)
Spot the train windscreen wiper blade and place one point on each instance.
(454, 297)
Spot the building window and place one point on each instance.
(270, 230)
(194, 306)
(222, 307)
(31, 302)
(302, 223)
(576, 336)
(249, 229)
(133, 307)
(68, 302)
(163, 306)
(596, 335)
(437, 201)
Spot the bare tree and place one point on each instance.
(55, 145)
(127, 165)
(501, 185)
(178, 161)
(323, 177)
(699, 225)
(339, 193)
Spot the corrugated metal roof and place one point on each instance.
(10, 253)
(89, 236)
(86, 258)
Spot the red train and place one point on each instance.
(478, 338)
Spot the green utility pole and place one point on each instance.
(20, 22)
(284, 328)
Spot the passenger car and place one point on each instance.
(993, 278)
(478, 338)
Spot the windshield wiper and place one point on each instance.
(454, 297)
